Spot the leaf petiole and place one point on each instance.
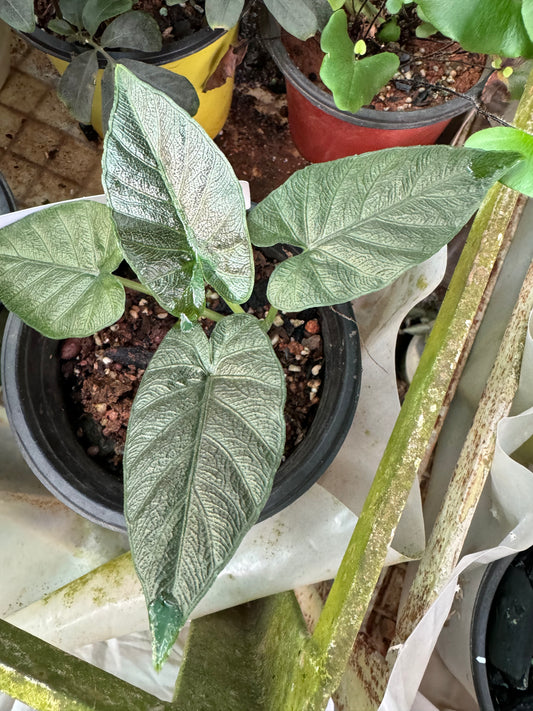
(269, 319)
(213, 315)
(135, 285)
(236, 308)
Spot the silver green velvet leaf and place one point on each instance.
(134, 30)
(55, 270)
(223, 13)
(177, 204)
(362, 221)
(97, 11)
(72, 11)
(205, 439)
(76, 85)
(298, 17)
(18, 14)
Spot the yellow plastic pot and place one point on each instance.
(195, 57)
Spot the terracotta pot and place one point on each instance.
(322, 132)
(194, 57)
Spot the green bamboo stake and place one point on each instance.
(324, 659)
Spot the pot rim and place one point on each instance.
(171, 52)
(7, 201)
(490, 582)
(324, 438)
(270, 33)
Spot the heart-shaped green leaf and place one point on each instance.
(205, 439)
(18, 14)
(56, 269)
(487, 26)
(134, 30)
(72, 11)
(300, 18)
(177, 204)
(381, 213)
(223, 13)
(97, 11)
(60, 27)
(353, 82)
(504, 138)
(76, 85)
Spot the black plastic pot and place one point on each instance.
(502, 634)
(39, 419)
(7, 201)
(322, 132)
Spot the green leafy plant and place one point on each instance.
(194, 486)
(80, 22)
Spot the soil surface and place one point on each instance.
(103, 372)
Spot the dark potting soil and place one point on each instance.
(175, 21)
(424, 65)
(102, 372)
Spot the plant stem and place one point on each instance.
(213, 315)
(135, 285)
(454, 519)
(269, 319)
(236, 308)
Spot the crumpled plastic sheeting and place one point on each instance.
(300, 545)
(503, 523)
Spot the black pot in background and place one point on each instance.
(39, 419)
(502, 635)
(7, 201)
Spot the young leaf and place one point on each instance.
(390, 31)
(502, 138)
(18, 14)
(134, 30)
(298, 17)
(353, 82)
(72, 11)
(205, 439)
(60, 27)
(177, 204)
(97, 11)
(487, 26)
(424, 30)
(223, 13)
(394, 6)
(382, 213)
(56, 270)
(76, 85)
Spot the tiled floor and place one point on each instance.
(44, 155)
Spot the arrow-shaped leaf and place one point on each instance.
(223, 13)
(97, 11)
(205, 439)
(177, 204)
(380, 214)
(134, 30)
(55, 270)
(353, 82)
(76, 85)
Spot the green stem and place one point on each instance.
(269, 319)
(236, 308)
(213, 315)
(135, 285)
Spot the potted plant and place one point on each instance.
(206, 430)
(83, 38)
(360, 57)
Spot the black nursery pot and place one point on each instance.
(37, 412)
(7, 201)
(502, 635)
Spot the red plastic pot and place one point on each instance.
(322, 132)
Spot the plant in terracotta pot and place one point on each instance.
(206, 430)
(393, 79)
(170, 47)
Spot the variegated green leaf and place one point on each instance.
(56, 269)
(362, 221)
(177, 204)
(205, 439)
